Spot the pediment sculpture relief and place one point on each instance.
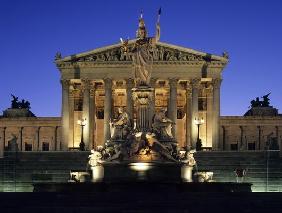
(160, 53)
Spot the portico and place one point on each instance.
(95, 84)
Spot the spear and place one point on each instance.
(159, 14)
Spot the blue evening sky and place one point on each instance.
(32, 31)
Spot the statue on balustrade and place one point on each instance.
(263, 103)
(187, 157)
(16, 104)
(265, 100)
(121, 127)
(95, 158)
(142, 52)
(162, 126)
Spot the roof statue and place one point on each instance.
(18, 108)
(142, 52)
(261, 107)
(264, 103)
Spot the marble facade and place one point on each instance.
(96, 83)
(185, 82)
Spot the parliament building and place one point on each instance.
(186, 83)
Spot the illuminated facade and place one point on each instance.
(96, 83)
(186, 83)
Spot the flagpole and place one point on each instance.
(159, 15)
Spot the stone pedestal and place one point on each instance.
(17, 113)
(97, 173)
(186, 173)
(262, 111)
(142, 96)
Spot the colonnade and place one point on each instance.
(20, 138)
(192, 96)
(256, 135)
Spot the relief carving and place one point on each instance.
(160, 53)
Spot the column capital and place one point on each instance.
(243, 128)
(216, 83)
(85, 84)
(92, 90)
(226, 127)
(173, 82)
(153, 82)
(195, 83)
(108, 83)
(129, 82)
(209, 89)
(188, 89)
(72, 93)
(65, 83)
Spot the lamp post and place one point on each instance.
(82, 123)
(199, 122)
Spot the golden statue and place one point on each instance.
(142, 52)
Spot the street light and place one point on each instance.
(199, 122)
(81, 123)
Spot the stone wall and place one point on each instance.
(248, 133)
(31, 133)
(236, 132)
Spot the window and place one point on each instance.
(251, 146)
(100, 113)
(234, 146)
(45, 146)
(27, 147)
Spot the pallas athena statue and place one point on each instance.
(142, 52)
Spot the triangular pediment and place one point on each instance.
(162, 52)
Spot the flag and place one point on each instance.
(160, 11)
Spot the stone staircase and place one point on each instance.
(18, 171)
(258, 165)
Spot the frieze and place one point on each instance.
(159, 53)
(71, 65)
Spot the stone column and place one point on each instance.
(71, 119)
(259, 142)
(279, 141)
(65, 113)
(225, 141)
(209, 121)
(153, 104)
(55, 138)
(242, 137)
(2, 143)
(86, 111)
(189, 120)
(37, 141)
(92, 114)
(21, 138)
(129, 100)
(216, 113)
(172, 109)
(223, 137)
(107, 108)
(195, 109)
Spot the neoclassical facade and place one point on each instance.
(96, 83)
